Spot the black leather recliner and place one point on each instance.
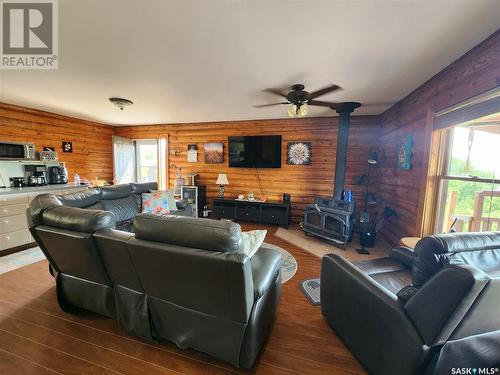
(65, 236)
(426, 312)
(180, 279)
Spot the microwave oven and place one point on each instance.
(17, 151)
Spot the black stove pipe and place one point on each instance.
(344, 112)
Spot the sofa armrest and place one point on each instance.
(265, 264)
(183, 209)
(181, 204)
(439, 306)
(404, 255)
(369, 319)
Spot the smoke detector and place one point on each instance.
(121, 102)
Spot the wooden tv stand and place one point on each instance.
(269, 212)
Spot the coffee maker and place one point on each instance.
(58, 175)
(35, 175)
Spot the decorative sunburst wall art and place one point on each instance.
(299, 153)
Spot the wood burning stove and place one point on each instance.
(333, 218)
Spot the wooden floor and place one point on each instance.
(36, 337)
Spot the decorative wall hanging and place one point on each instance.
(299, 153)
(192, 153)
(404, 153)
(67, 146)
(176, 151)
(214, 153)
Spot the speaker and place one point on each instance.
(286, 198)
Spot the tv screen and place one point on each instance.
(255, 151)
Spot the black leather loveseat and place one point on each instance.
(426, 312)
(181, 279)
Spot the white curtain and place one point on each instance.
(124, 160)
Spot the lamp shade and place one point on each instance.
(373, 158)
(222, 179)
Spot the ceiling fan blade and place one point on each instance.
(269, 105)
(323, 91)
(275, 92)
(323, 104)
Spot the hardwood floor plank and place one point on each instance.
(48, 357)
(97, 354)
(13, 364)
(146, 354)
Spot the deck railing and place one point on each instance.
(475, 222)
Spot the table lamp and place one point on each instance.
(221, 181)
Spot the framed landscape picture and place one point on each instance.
(214, 153)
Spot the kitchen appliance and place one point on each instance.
(48, 155)
(58, 175)
(16, 181)
(35, 175)
(17, 151)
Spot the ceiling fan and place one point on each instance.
(300, 99)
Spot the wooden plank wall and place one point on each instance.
(302, 182)
(475, 72)
(92, 145)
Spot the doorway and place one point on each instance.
(140, 160)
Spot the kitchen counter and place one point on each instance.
(39, 189)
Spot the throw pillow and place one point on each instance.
(170, 198)
(251, 241)
(155, 203)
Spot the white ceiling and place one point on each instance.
(190, 61)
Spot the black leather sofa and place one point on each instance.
(181, 279)
(424, 312)
(124, 201)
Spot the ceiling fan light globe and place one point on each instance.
(292, 110)
(303, 110)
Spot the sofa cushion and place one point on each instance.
(223, 236)
(82, 199)
(116, 191)
(78, 219)
(124, 209)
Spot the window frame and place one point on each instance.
(443, 177)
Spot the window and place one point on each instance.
(141, 160)
(147, 160)
(123, 160)
(469, 193)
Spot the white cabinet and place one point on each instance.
(14, 230)
(10, 199)
(14, 239)
(15, 209)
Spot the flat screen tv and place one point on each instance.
(255, 151)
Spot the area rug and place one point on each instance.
(320, 247)
(20, 259)
(289, 266)
(311, 289)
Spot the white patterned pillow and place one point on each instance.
(251, 241)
